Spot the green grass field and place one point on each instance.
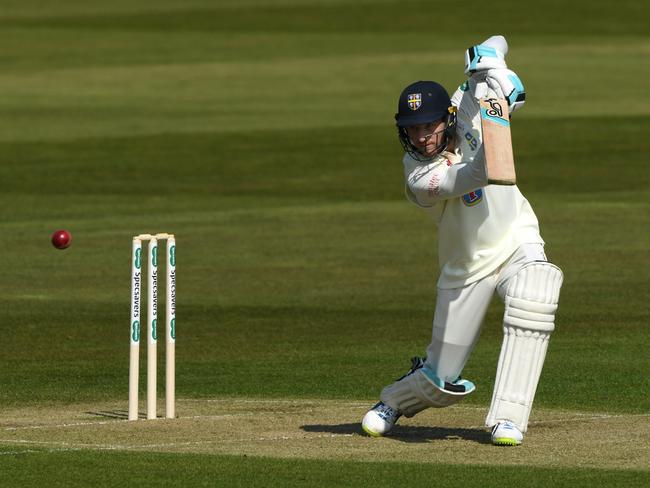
(261, 133)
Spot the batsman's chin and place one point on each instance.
(430, 151)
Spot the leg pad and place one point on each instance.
(422, 389)
(531, 301)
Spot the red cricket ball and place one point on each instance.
(61, 239)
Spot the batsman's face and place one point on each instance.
(427, 138)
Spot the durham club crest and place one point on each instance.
(415, 101)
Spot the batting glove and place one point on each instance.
(506, 84)
(490, 54)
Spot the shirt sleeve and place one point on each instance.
(422, 182)
(469, 136)
(427, 184)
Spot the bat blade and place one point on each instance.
(497, 141)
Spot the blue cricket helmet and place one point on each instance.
(424, 102)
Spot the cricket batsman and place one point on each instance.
(488, 241)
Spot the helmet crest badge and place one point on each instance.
(415, 101)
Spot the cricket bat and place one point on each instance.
(497, 142)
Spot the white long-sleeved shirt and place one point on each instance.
(479, 225)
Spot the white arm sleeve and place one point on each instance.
(422, 182)
(428, 184)
(464, 177)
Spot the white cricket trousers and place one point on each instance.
(460, 312)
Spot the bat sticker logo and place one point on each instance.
(495, 108)
(415, 101)
(495, 113)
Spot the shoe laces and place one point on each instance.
(507, 425)
(386, 412)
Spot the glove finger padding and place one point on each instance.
(506, 84)
(490, 54)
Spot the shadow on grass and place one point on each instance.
(115, 414)
(409, 434)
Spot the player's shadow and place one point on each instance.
(408, 433)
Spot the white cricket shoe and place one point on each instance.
(379, 420)
(506, 434)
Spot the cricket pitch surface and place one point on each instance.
(330, 429)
